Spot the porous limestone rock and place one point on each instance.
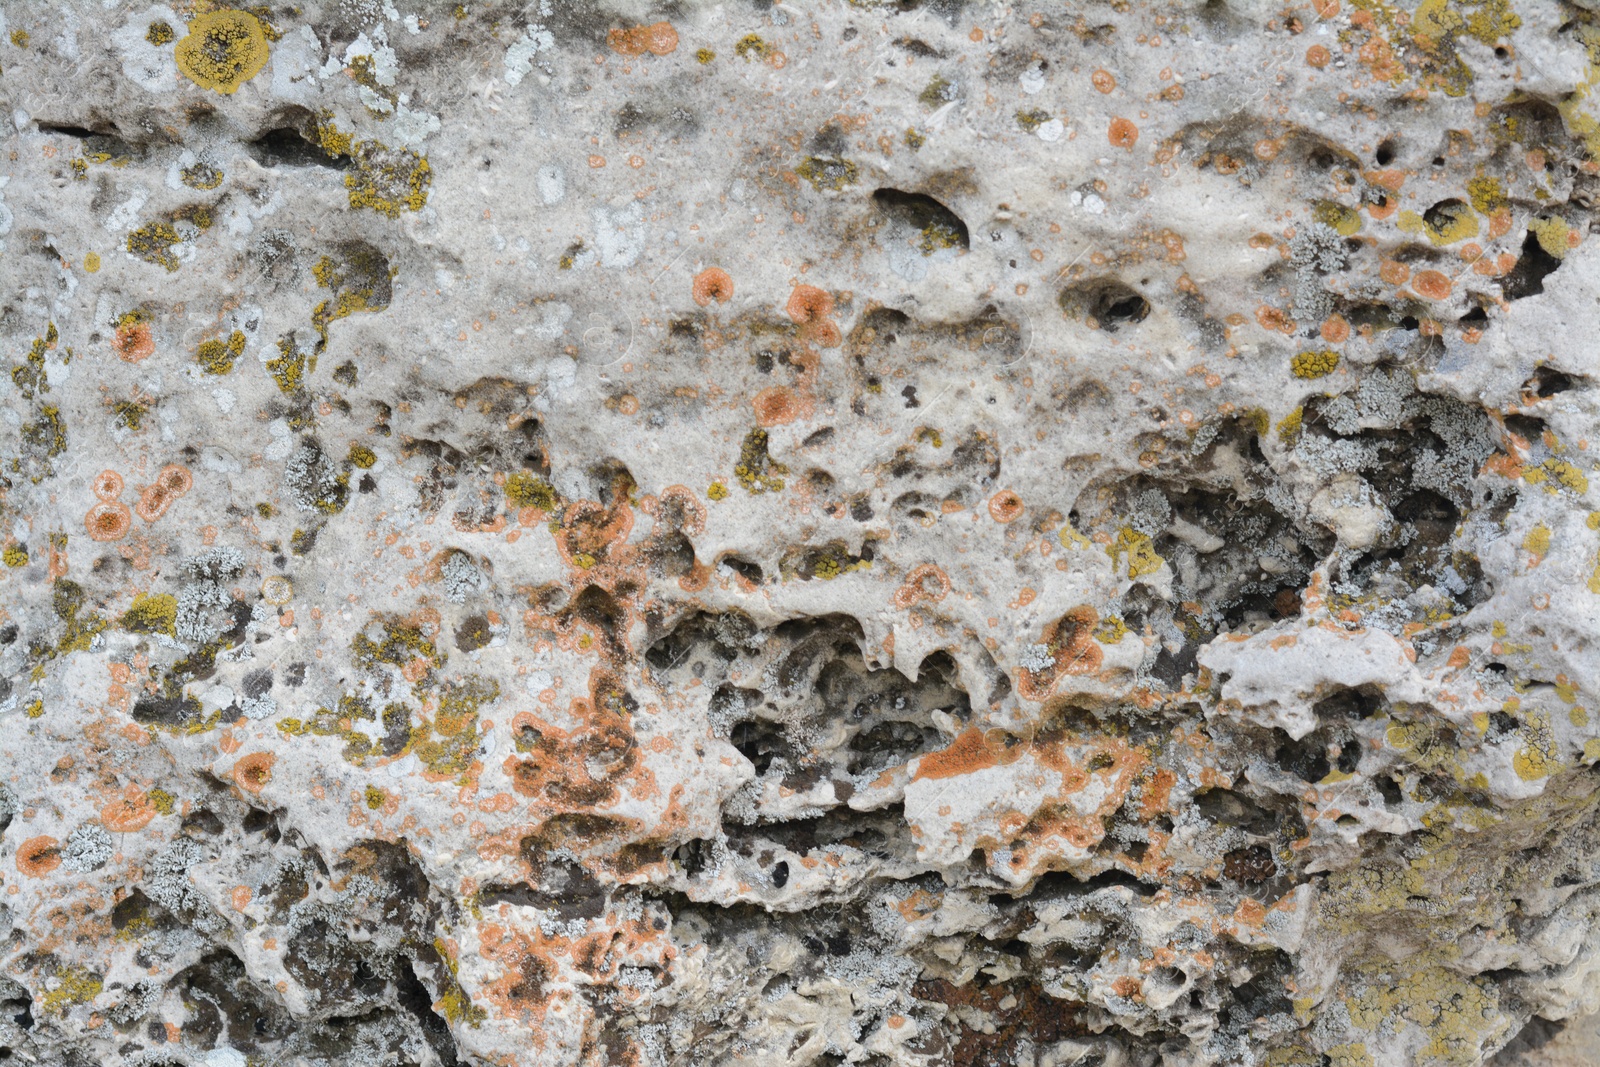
(884, 532)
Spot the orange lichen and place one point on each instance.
(1005, 506)
(658, 39)
(678, 509)
(1103, 80)
(1123, 133)
(811, 307)
(129, 812)
(253, 772)
(175, 479)
(108, 521)
(133, 341)
(776, 406)
(1070, 647)
(153, 502)
(1432, 284)
(809, 304)
(107, 485)
(576, 769)
(592, 534)
(1335, 329)
(1317, 56)
(713, 283)
(967, 753)
(1394, 272)
(925, 582)
(38, 856)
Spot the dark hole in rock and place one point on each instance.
(940, 227)
(287, 146)
(1532, 268)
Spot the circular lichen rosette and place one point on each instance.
(224, 49)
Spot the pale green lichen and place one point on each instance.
(938, 92)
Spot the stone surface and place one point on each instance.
(864, 532)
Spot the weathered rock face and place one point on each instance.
(867, 532)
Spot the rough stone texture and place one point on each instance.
(875, 532)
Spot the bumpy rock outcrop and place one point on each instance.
(889, 532)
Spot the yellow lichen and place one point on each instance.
(153, 242)
(160, 33)
(152, 613)
(524, 489)
(1537, 542)
(1290, 425)
(224, 49)
(1487, 194)
(827, 175)
(751, 46)
(362, 456)
(289, 369)
(1139, 550)
(1071, 538)
(1449, 223)
(937, 236)
(1551, 234)
(387, 180)
(164, 802)
(1345, 221)
(717, 491)
(1531, 763)
(201, 176)
(448, 744)
(15, 556)
(938, 92)
(1111, 630)
(75, 985)
(756, 469)
(217, 357)
(1314, 364)
(1349, 1055)
(1032, 119)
